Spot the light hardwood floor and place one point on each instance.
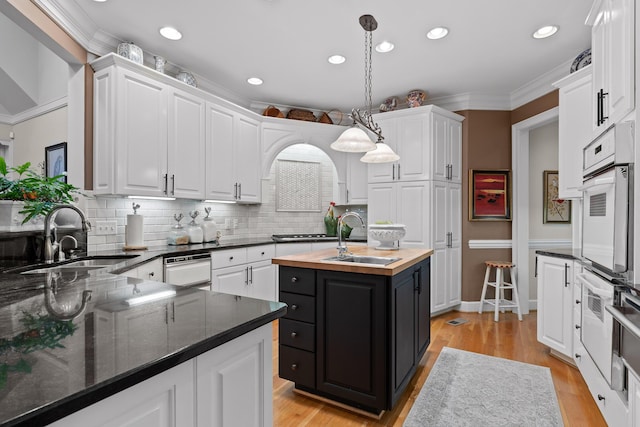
(507, 338)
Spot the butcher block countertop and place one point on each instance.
(316, 260)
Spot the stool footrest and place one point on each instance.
(503, 303)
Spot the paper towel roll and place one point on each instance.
(133, 230)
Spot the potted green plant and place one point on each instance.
(35, 193)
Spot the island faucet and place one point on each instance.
(342, 247)
(49, 246)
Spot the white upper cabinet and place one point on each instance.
(574, 130)
(428, 140)
(356, 188)
(186, 162)
(233, 155)
(156, 136)
(613, 56)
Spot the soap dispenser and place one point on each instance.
(178, 235)
(194, 230)
(208, 227)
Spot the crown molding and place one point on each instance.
(34, 112)
(540, 85)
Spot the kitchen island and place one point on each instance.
(354, 333)
(89, 346)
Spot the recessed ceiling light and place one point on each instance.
(384, 47)
(546, 31)
(170, 33)
(336, 59)
(437, 33)
(254, 81)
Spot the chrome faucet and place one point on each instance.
(49, 246)
(342, 247)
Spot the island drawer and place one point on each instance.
(297, 365)
(300, 307)
(297, 280)
(297, 334)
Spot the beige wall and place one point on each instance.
(32, 136)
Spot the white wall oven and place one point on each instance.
(608, 203)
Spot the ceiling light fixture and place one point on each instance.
(384, 47)
(437, 33)
(546, 31)
(170, 33)
(336, 59)
(256, 81)
(354, 139)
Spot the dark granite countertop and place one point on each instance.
(51, 367)
(566, 253)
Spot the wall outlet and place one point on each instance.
(106, 227)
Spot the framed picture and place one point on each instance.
(55, 161)
(490, 195)
(553, 209)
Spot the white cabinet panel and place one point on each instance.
(356, 186)
(245, 272)
(574, 130)
(234, 383)
(555, 303)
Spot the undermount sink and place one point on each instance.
(363, 259)
(86, 264)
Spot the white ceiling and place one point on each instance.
(489, 51)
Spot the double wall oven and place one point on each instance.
(607, 250)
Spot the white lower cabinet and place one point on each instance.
(555, 303)
(165, 400)
(245, 272)
(234, 382)
(610, 402)
(230, 385)
(634, 399)
(152, 270)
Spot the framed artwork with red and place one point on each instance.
(489, 195)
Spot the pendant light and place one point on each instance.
(355, 139)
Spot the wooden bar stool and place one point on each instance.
(499, 302)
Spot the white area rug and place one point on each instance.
(470, 389)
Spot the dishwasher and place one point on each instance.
(193, 271)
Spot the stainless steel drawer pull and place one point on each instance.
(294, 367)
(294, 307)
(294, 334)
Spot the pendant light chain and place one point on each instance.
(368, 44)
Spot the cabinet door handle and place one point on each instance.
(230, 258)
(151, 274)
(347, 195)
(246, 276)
(577, 356)
(294, 307)
(294, 279)
(294, 334)
(166, 183)
(294, 366)
(173, 311)
(604, 118)
(235, 190)
(598, 107)
(239, 191)
(166, 314)
(251, 274)
(566, 275)
(578, 326)
(262, 253)
(578, 301)
(417, 281)
(535, 273)
(601, 397)
(393, 172)
(173, 185)
(398, 171)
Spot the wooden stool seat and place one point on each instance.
(499, 302)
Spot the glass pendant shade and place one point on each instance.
(382, 154)
(354, 140)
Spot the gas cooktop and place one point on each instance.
(301, 237)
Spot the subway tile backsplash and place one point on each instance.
(253, 221)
